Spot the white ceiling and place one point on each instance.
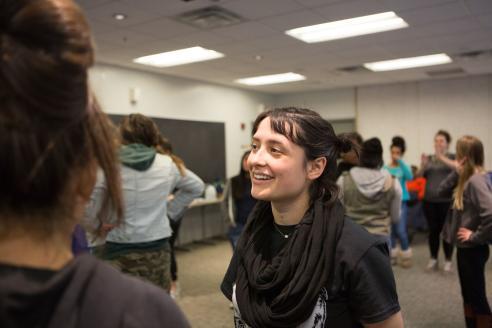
(450, 26)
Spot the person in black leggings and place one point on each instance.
(435, 214)
(435, 169)
(473, 208)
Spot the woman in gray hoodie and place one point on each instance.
(371, 196)
(140, 245)
(472, 212)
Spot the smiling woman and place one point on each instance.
(299, 262)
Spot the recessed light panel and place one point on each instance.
(272, 79)
(409, 62)
(119, 16)
(348, 28)
(179, 57)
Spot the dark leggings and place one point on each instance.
(471, 266)
(435, 213)
(174, 267)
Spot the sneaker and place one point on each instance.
(406, 258)
(432, 265)
(174, 291)
(448, 267)
(394, 255)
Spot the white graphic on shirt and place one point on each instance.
(316, 320)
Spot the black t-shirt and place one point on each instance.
(364, 289)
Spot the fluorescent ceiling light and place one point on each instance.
(179, 57)
(271, 79)
(348, 28)
(410, 62)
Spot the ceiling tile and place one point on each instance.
(164, 28)
(478, 66)
(485, 20)
(447, 27)
(465, 42)
(104, 14)
(88, 4)
(417, 47)
(204, 39)
(316, 3)
(248, 30)
(124, 37)
(154, 47)
(351, 9)
(272, 42)
(233, 48)
(256, 9)
(367, 54)
(98, 28)
(446, 11)
(293, 20)
(171, 8)
(479, 7)
(397, 5)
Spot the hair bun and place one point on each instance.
(345, 145)
(399, 142)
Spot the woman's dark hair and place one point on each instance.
(371, 154)
(399, 142)
(51, 126)
(445, 134)
(316, 136)
(355, 137)
(240, 181)
(138, 128)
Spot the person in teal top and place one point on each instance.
(400, 170)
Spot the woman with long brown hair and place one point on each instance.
(472, 208)
(53, 138)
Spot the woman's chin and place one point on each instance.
(260, 195)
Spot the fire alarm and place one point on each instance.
(134, 95)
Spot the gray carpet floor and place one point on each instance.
(428, 300)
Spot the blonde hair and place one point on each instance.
(471, 148)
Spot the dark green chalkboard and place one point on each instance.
(200, 144)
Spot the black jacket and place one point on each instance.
(85, 293)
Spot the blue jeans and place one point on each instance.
(399, 230)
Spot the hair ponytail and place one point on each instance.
(471, 148)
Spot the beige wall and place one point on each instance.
(177, 98)
(417, 110)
